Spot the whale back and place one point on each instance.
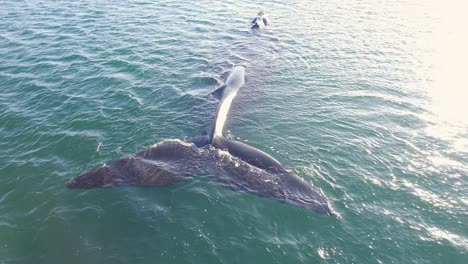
(227, 94)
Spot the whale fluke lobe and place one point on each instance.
(283, 186)
(248, 154)
(129, 171)
(164, 164)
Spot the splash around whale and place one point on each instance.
(234, 164)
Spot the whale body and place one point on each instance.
(226, 94)
(260, 21)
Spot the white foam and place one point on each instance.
(180, 141)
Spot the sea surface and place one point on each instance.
(364, 99)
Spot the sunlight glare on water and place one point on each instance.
(448, 88)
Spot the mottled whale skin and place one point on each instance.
(234, 164)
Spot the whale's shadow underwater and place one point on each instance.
(232, 163)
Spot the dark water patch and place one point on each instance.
(75, 58)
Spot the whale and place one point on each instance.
(232, 163)
(260, 21)
(226, 94)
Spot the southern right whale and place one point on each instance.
(260, 21)
(234, 164)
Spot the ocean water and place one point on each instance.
(364, 99)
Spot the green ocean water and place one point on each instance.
(344, 94)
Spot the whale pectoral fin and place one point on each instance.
(218, 93)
